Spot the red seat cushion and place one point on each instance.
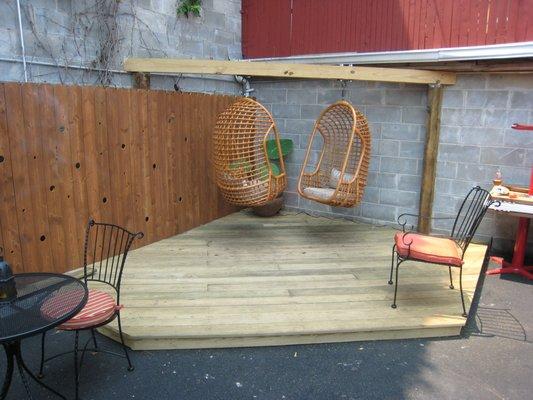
(99, 308)
(428, 248)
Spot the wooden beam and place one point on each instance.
(285, 70)
(430, 157)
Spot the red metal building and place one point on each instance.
(277, 28)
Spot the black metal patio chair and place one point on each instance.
(105, 252)
(449, 251)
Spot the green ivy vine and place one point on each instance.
(187, 7)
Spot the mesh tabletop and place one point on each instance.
(43, 301)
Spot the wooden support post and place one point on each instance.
(430, 157)
(141, 80)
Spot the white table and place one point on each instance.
(524, 212)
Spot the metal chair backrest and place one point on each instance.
(105, 252)
(470, 215)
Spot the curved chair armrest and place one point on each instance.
(495, 203)
(408, 241)
(403, 219)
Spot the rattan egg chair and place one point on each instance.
(243, 171)
(338, 174)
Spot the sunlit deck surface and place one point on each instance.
(243, 280)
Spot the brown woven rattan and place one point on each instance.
(242, 169)
(336, 172)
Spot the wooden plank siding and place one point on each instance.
(317, 26)
(136, 158)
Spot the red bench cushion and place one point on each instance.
(428, 248)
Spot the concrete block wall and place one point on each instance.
(146, 28)
(476, 139)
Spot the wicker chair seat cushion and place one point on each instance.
(428, 248)
(336, 175)
(99, 308)
(327, 192)
(321, 193)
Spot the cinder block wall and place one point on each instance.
(53, 34)
(476, 139)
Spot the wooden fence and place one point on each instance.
(137, 158)
(290, 27)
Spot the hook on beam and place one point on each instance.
(245, 85)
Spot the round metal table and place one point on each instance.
(22, 316)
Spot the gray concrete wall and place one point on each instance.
(62, 32)
(476, 139)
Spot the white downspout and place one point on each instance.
(22, 43)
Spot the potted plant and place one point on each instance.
(272, 207)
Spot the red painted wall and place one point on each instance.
(273, 28)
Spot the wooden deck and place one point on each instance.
(249, 281)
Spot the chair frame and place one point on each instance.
(111, 276)
(462, 233)
(347, 193)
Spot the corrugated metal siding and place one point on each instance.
(276, 28)
(266, 25)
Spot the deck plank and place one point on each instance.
(248, 281)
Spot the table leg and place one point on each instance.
(516, 266)
(21, 372)
(9, 371)
(13, 353)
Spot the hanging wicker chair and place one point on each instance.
(243, 171)
(336, 173)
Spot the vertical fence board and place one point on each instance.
(178, 179)
(142, 157)
(34, 153)
(53, 156)
(169, 153)
(198, 175)
(21, 174)
(186, 197)
(77, 162)
(159, 170)
(102, 150)
(8, 213)
(124, 150)
(60, 138)
(136, 158)
(135, 165)
(115, 193)
(91, 155)
(151, 151)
